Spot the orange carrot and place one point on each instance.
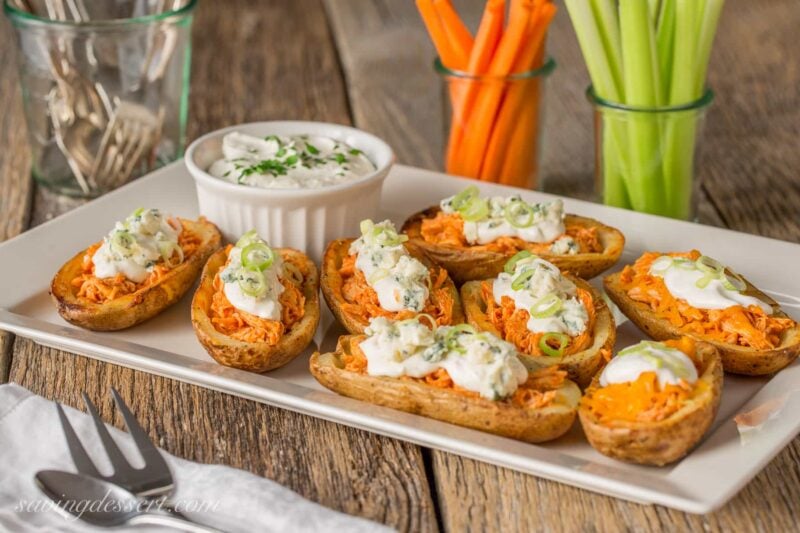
(460, 37)
(516, 103)
(476, 137)
(450, 56)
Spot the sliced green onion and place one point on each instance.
(544, 345)
(419, 317)
(546, 306)
(463, 198)
(167, 250)
(138, 212)
(381, 235)
(366, 226)
(708, 264)
(451, 337)
(122, 242)
(248, 238)
(378, 275)
(257, 256)
(703, 282)
(733, 282)
(662, 263)
(519, 282)
(519, 214)
(683, 263)
(252, 282)
(477, 209)
(511, 264)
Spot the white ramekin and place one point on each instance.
(306, 219)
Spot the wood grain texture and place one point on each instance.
(475, 496)
(289, 71)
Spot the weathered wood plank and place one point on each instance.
(396, 95)
(271, 61)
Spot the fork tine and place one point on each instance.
(118, 460)
(79, 456)
(152, 457)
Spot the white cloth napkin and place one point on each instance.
(31, 439)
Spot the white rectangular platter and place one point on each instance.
(729, 457)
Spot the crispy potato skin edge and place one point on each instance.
(259, 356)
(581, 366)
(331, 282)
(141, 305)
(735, 359)
(529, 425)
(664, 442)
(469, 265)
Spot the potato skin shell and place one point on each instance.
(331, 282)
(254, 356)
(134, 308)
(666, 441)
(735, 359)
(581, 366)
(465, 264)
(499, 418)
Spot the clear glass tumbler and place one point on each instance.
(494, 124)
(645, 157)
(105, 88)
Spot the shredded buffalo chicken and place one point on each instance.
(360, 299)
(100, 290)
(744, 326)
(540, 390)
(448, 229)
(512, 323)
(247, 327)
(644, 400)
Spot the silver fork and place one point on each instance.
(152, 481)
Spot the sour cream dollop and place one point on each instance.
(400, 280)
(682, 279)
(261, 300)
(670, 365)
(513, 217)
(289, 162)
(479, 362)
(536, 284)
(136, 245)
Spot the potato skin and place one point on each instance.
(465, 265)
(332, 286)
(735, 359)
(134, 308)
(499, 418)
(581, 366)
(666, 441)
(254, 356)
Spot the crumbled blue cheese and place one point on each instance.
(565, 245)
(400, 281)
(535, 280)
(479, 362)
(136, 245)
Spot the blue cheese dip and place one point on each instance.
(537, 286)
(488, 219)
(136, 245)
(670, 365)
(478, 362)
(293, 162)
(251, 277)
(704, 283)
(400, 281)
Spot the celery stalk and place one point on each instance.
(665, 42)
(605, 15)
(708, 28)
(592, 47)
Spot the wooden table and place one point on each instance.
(367, 62)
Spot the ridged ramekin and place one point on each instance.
(306, 219)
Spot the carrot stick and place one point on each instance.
(517, 100)
(460, 37)
(471, 151)
(449, 55)
(486, 40)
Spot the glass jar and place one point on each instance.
(494, 124)
(645, 157)
(105, 88)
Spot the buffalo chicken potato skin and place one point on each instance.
(136, 307)
(470, 264)
(255, 356)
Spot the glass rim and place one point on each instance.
(18, 15)
(701, 103)
(545, 70)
